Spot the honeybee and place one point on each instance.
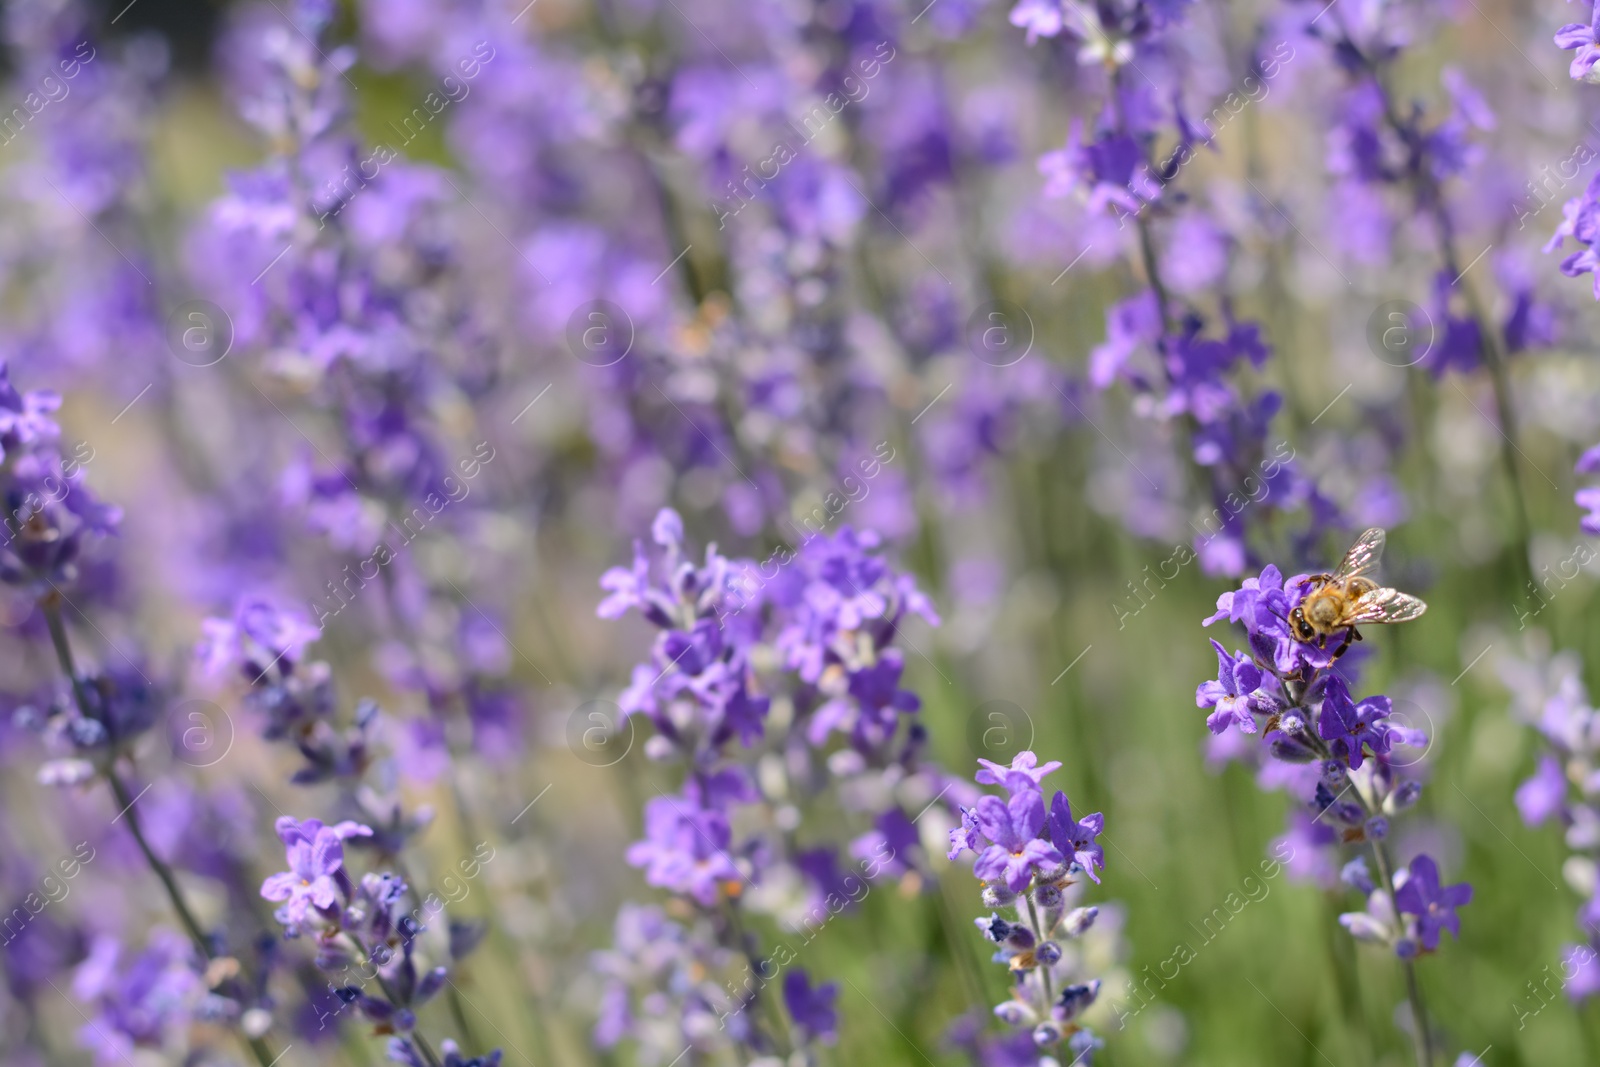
(1340, 600)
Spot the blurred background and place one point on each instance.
(287, 265)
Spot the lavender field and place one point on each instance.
(799, 533)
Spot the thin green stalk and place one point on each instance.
(1341, 950)
(1044, 935)
(1421, 1038)
(389, 993)
(745, 948)
(50, 604)
(1426, 188)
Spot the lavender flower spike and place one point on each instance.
(1030, 863)
(1340, 752)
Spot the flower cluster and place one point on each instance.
(810, 635)
(1029, 861)
(1336, 754)
(52, 519)
(1288, 691)
(366, 938)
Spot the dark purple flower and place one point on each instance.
(1348, 726)
(1076, 837)
(811, 1007)
(1433, 905)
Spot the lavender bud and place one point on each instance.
(997, 896)
(1013, 1013)
(1334, 774)
(1047, 896)
(1046, 1034)
(1291, 723)
(1403, 798)
(1075, 999)
(994, 928)
(1354, 874)
(1292, 751)
(1363, 927)
(1021, 938)
(1079, 920)
(1377, 828)
(1049, 953)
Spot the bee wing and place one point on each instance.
(1363, 555)
(1387, 605)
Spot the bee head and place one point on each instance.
(1302, 628)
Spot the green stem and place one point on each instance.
(1421, 1038)
(1429, 193)
(50, 604)
(1044, 972)
(192, 926)
(393, 998)
(746, 948)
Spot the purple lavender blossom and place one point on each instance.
(1076, 837)
(1235, 694)
(1035, 876)
(1433, 904)
(812, 1007)
(316, 879)
(1016, 850)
